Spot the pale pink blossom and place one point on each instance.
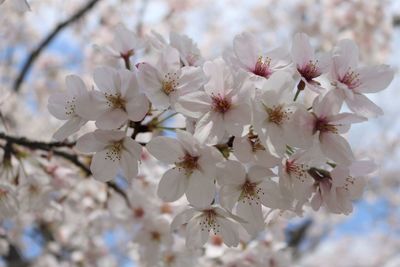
(250, 191)
(250, 149)
(222, 108)
(166, 81)
(203, 222)
(114, 151)
(309, 66)
(189, 53)
(295, 179)
(348, 184)
(353, 81)
(63, 106)
(249, 56)
(117, 101)
(324, 127)
(273, 110)
(194, 171)
(126, 44)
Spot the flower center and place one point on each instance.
(155, 236)
(220, 104)
(138, 212)
(323, 126)
(277, 114)
(351, 79)
(262, 67)
(114, 151)
(70, 106)
(348, 182)
(170, 83)
(209, 221)
(309, 71)
(299, 171)
(250, 192)
(189, 163)
(115, 101)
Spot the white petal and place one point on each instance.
(88, 143)
(361, 105)
(182, 218)
(236, 118)
(201, 190)
(330, 104)
(231, 173)
(107, 80)
(229, 196)
(166, 149)
(129, 165)
(75, 85)
(375, 79)
(242, 149)
(112, 119)
(192, 78)
(193, 105)
(172, 185)
(302, 51)
(210, 128)
(195, 237)
(70, 127)
(336, 147)
(137, 108)
(258, 174)
(103, 167)
(149, 79)
(229, 232)
(246, 49)
(254, 216)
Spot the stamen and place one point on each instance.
(220, 104)
(262, 67)
(115, 101)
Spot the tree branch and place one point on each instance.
(36, 53)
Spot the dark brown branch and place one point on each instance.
(36, 53)
(35, 144)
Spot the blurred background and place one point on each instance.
(369, 237)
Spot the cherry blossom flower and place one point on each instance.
(117, 101)
(19, 5)
(166, 81)
(125, 45)
(348, 184)
(202, 222)
(190, 54)
(295, 179)
(353, 81)
(249, 56)
(63, 106)
(113, 151)
(250, 149)
(273, 110)
(222, 108)
(308, 65)
(324, 126)
(250, 191)
(194, 171)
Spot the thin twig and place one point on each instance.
(36, 53)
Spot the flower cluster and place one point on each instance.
(264, 128)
